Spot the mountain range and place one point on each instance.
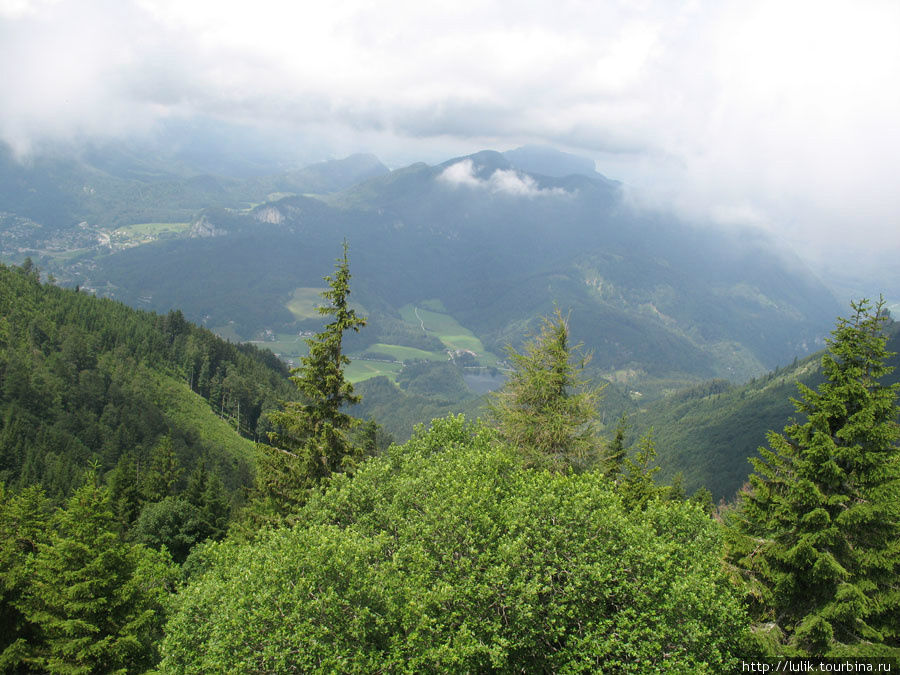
(486, 243)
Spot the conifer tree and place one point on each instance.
(818, 530)
(125, 492)
(24, 520)
(615, 452)
(636, 484)
(95, 612)
(313, 436)
(545, 409)
(160, 479)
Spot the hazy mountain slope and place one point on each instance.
(708, 432)
(86, 381)
(650, 295)
(62, 201)
(495, 246)
(547, 161)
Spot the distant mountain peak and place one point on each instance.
(484, 163)
(547, 161)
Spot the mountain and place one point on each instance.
(87, 382)
(450, 262)
(538, 159)
(497, 247)
(708, 432)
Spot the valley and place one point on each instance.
(473, 251)
(175, 419)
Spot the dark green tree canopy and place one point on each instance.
(545, 409)
(818, 530)
(99, 602)
(314, 436)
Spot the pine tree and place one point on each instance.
(125, 492)
(544, 408)
(615, 452)
(24, 520)
(818, 529)
(160, 479)
(95, 612)
(636, 484)
(313, 436)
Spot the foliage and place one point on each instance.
(84, 379)
(98, 601)
(314, 436)
(173, 524)
(817, 530)
(544, 409)
(163, 473)
(24, 529)
(445, 555)
(636, 483)
(616, 452)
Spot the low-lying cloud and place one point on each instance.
(501, 181)
(784, 111)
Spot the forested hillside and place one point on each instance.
(707, 432)
(457, 258)
(90, 383)
(530, 540)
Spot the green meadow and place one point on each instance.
(304, 303)
(141, 232)
(447, 329)
(359, 370)
(401, 353)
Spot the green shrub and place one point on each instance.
(446, 555)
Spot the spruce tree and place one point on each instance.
(314, 436)
(818, 528)
(636, 484)
(96, 612)
(24, 521)
(545, 409)
(162, 476)
(615, 451)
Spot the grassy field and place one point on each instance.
(227, 332)
(189, 411)
(289, 346)
(447, 329)
(145, 231)
(359, 370)
(304, 301)
(406, 353)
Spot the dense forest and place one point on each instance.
(171, 502)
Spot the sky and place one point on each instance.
(783, 114)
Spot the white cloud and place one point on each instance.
(461, 173)
(501, 181)
(784, 109)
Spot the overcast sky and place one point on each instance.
(780, 113)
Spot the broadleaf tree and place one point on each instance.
(817, 531)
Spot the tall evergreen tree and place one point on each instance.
(24, 520)
(636, 484)
(818, 529)
(162, 476)
(124, 491)
(314, 436)
(615, 451)
(545, 409)
(96, 612)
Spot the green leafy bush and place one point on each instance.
(447, 555)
